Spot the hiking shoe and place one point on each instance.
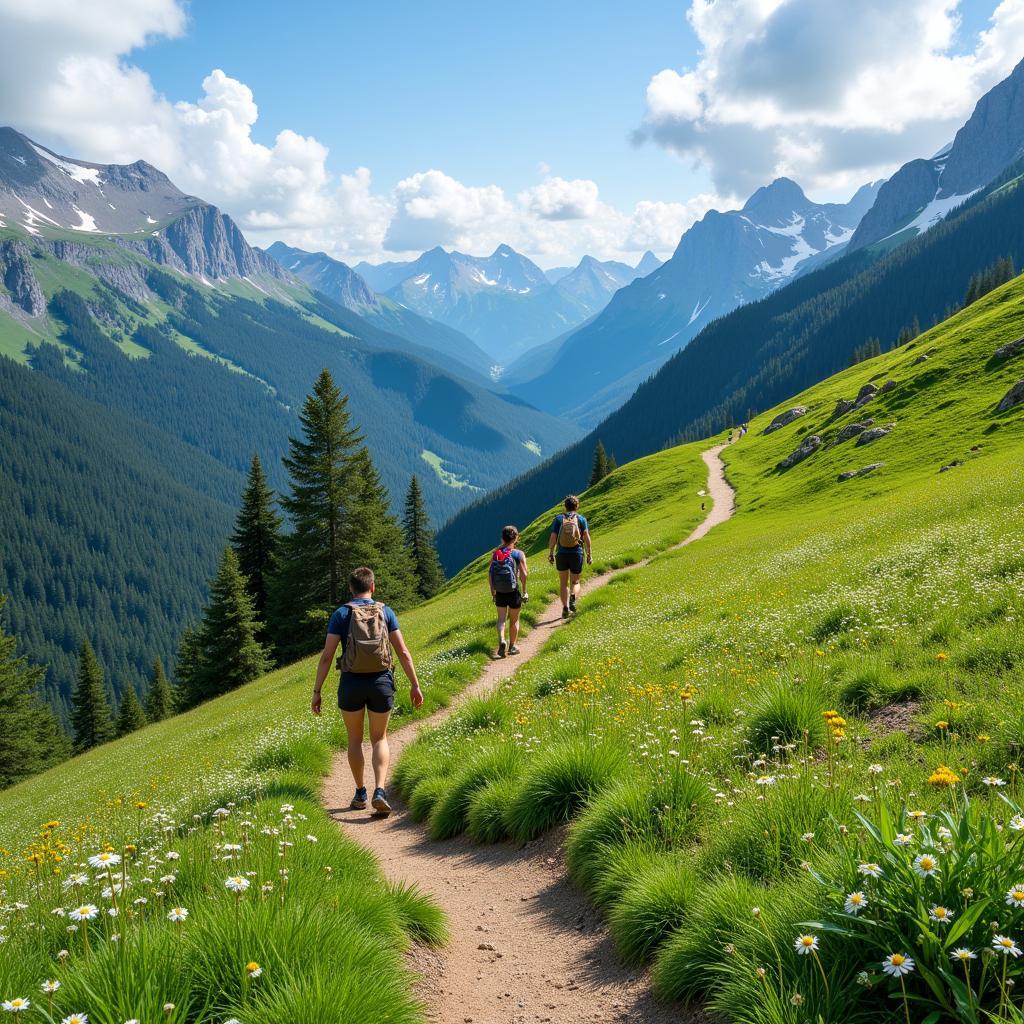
(572, 604)
(501, 649)
(513, 649)
(359, 800)
(380, 802)
(565, 613)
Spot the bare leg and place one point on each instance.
(513, 626)
(354, 729)
(381, 752)
(502, 612)
(575, 585)
(563, 582)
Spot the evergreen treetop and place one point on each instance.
(599, 467)
(160, 700)
(419, 542)
(130, 715)
(257, 536)
(91, 720)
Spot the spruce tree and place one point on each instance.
(160, 700)
(419, 542)
(130, 715)
(30, 739)
(188, 663)
(312, 576)
(257, 537)
(599, 467)
(612, 464)
(371, 536)
(91, 719)
(228, 652)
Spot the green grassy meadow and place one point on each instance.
(735, 729)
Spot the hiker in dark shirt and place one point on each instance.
(507, 578)
(366, 630)
(570, 534)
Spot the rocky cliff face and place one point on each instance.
(19, 278)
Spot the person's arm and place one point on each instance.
(322, 668)
(523, 570)
(552, 541)
(586, 544)
(405, 658)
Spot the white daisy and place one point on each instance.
(897, 964)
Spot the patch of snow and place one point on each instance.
(801, 250)
(72, 170)
(32, 215)
(661, 295)
(21, 160)
(87, 219)
(154, 233)
(422, 279)
(698, 309)
(49, 206)
(522, 291)
(934, 212)
(2, 224)
(149, 220)
(112, 206)
(671, 336)
(207, 283)
(254, 284)
(844, 235)
(295, 264)
(792, 230)
(479, 275)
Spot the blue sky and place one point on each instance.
(484, 92)
(374, 130)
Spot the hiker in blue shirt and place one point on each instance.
(570, 535)
(366, 630)
(507, 579)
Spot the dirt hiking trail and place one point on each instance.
(525, 946)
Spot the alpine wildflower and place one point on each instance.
(941, 915)
(963, 955)
(855, 902)
(897, 964)
(1005, 945)
(237, 883)
(870, 870)
(86, 912)
(806, 944)
(1015, 897)
(18, 1005)
(253, 969)
(177, 914)
(926, 865)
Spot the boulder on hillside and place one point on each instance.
(785, 418)
(922, 358)
(808, 447)
(1012, 398)
(874, 434)
(865, 395)
(852, 473)
(852, 430)
(1011, 348)
(951, 465)
(887, 387)
(843, 406)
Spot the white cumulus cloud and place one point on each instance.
(828, 91)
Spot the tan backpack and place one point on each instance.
(569, 535)
(367, 648)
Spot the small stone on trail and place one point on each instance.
(486, 945)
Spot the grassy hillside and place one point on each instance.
(733, 729)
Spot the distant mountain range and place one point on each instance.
(723, 261)
(504, 301)
(923, 191)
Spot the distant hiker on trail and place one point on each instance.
(569, 536)
(508, 568)
(366, 630)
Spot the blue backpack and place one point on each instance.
(504, 571)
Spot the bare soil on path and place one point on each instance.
(526, 946)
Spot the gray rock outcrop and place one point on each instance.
(785, 418)
(808, 447)
(874, 434)
(1009, 350)
(1012, 398)
(843, 406)
(20, 279)
(887, 387)
(863, 471)
(922, 358)
(865, 395)
(852, 430)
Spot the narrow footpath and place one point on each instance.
(525, 945)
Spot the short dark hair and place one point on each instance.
(509, 534)
(361, 580)
(571, 503)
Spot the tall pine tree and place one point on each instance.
(312, 577)
(160, 700)
(228, 652)
(30, 739)
(419, 542)
(188, 663)
(257, 537)
(91, 720)
(130, 715)
(599, 467)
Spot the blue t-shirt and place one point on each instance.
(338, 626)
(556, 528)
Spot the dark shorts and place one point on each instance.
(570, 560)
(358, 690)
(513, 600)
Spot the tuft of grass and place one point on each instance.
(485, 817)
(425, 796)
(653, 905)
(558, 783)
(622, 864)
(786, 712)
(450, 815)
(422, 919)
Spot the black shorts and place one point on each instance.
(357, 690)
(570, 560)
(513, 600)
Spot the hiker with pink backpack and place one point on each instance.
(570, 535)
(507, 570)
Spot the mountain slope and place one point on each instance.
(761, 352)
(724, 260)
(922, 192)
(341, 283)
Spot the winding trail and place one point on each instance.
(526, 946)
